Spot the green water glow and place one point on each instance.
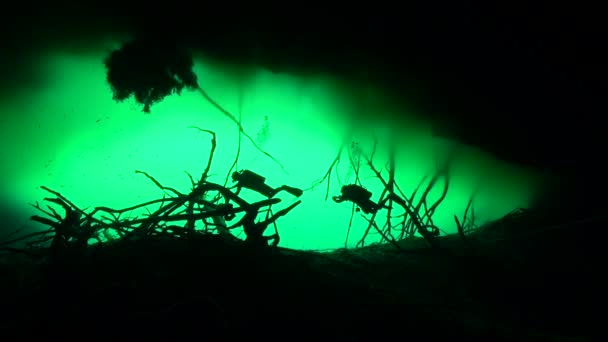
(68, 134)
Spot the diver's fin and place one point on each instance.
(294, 191)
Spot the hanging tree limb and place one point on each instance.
(238, 123)
(167, 69)
(238, 146)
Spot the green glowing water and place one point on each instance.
(68, 134)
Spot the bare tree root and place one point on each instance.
(234, 165)
(467, 222)
(76, 227)
(356, 165)
(238, 123)
(428, 215)
(384, 236)
(350, 225)
(327, 176)
(417, 219)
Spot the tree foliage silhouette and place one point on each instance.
(149, 70)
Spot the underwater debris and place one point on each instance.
(264, 132)
(72, 231)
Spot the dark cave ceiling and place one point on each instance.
(521, 83)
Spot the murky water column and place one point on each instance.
(68, 134)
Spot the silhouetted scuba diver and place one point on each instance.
(252, 181)
(360, 196)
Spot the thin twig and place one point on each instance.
(231, 117)
(327, 175)
(157, 183)
(211, 154)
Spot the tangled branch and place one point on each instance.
(73, 229)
